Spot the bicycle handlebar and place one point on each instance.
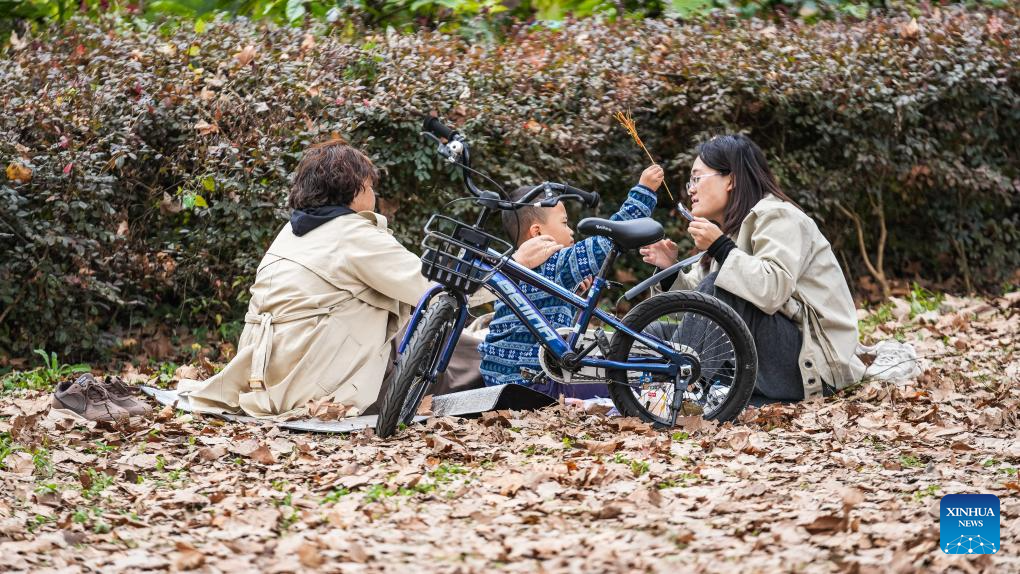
(662, 274)
(457, 151)
(566, 191)
(590, 198)
(437, 128)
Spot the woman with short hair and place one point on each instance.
(329, 296)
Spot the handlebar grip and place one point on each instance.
(591, 199)
(436, 127)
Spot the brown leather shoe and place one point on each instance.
(87, 399)
(124, 396)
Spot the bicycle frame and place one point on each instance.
(503, 284)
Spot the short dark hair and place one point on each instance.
(330, 173)
(516, 222)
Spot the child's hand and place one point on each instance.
(661, 254)
(536, 251)
(704, 232)
(584, 286)
(652, 176)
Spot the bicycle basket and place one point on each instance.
(458, 255)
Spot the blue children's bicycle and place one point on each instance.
(678, 352)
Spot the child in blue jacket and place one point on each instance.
(510, 347)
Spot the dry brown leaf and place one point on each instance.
(19, 172)
(357, 553)
(307, 42)
(826, 524)
(246, 55)
(310, 556)
(609, 511)
(910, 29)
(20, 463)
(262, 455)
(326, 410)
(205, 128)
(212, 453)
(187, 557)
(494, 418)
(425, 408)
(599, 447)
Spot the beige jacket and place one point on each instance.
(323, 311)
(783, 264)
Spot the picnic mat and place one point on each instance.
(464, 404)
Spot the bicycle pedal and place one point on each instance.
(532, 376)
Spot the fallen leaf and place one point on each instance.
(609, 511)
(910, 29)
(212, 453)
(307, 43)
(310, 556)
(826, 524)
(20, 463)
(263, 455)
(599, 447)
(187, 557)
(205, 128)
(19, 172)
(357, 553)
(246, 55)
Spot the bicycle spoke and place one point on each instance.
(707, 343)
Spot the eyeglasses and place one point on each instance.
(696, 179)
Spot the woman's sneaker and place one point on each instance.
(124, 396)
(85, 398)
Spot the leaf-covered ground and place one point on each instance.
(847, 484)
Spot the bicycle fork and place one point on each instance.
(451, 339)
(683, 374)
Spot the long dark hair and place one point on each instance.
(739, 156)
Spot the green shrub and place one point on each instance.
(43, 378)
(159, 159)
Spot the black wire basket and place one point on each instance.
(460, 256)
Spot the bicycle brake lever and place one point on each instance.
(441, 148)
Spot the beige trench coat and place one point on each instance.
(323, 311)
(784, 264)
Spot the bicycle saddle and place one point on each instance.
(627, 234)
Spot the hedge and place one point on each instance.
(147, 170)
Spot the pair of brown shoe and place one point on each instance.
(99, 401)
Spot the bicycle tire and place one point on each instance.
(746, 357)
(418, 359)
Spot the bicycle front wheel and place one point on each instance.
(412, 375)
(713, 340)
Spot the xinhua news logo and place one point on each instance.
(969, 524)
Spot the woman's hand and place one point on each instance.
(536, 251)
(651, 177)
(661, 254)
(704, 232)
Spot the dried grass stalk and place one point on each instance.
(628, 124)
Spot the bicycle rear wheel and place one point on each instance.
(412, 375)
(713, 339)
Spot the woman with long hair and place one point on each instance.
(767, 259)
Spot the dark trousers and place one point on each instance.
(778, 341)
